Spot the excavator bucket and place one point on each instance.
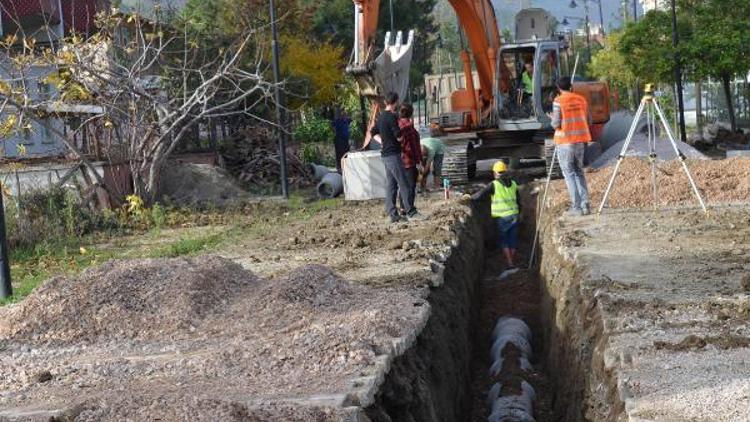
(389, 72)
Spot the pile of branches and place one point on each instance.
(252, 156)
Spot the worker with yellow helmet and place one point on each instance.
(505, 208)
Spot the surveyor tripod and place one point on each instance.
(653, 111)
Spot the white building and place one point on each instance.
(649, 5)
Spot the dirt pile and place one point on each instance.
(199, 184)
(140, 299)
(720, 182)
(193, 339)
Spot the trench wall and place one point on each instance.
(431, 381)
(574, 337)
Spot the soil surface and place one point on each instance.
(296, 321)
(719, 181)
(667, 289)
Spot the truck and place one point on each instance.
(489, 116)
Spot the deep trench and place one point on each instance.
(445, 375)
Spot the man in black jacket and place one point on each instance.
(387, 127)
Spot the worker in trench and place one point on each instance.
(387, 129)
(505, 208)
(571, 118)
(433, 152)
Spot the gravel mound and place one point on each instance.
(315, 285)
(191, 184)
(197, 339)
(639, 148)
(139, 299)
(720, 182)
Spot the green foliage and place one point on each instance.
(314, 129)
(188, 246)
(647, 45)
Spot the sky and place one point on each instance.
(506, 9)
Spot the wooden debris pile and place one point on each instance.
(252, 156)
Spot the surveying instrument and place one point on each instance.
(650, 105)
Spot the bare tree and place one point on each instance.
(149, 82)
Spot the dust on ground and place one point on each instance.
(305, 309)
(719, 181)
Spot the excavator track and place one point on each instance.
(459, 163)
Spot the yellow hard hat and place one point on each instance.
(500, 167)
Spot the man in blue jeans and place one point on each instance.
(571, 119)
(395, 174)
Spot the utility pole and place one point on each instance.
(280, 118)
(601, 17)
(635, 10)
(678, 73)
(6, 290)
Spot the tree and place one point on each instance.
(150, 84)
(612, 66)
(315, 69)
(647, 45)
(719, 44)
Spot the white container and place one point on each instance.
(364, 176)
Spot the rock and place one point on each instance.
(42, 377)
(745, 283)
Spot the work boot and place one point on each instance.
(573, 212)
(397, 219)
(585, 209)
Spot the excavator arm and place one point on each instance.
(478, 21)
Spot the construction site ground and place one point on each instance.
(303, 308)
(670, 294)
(324, 297)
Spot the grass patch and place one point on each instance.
(31, 266)
(188, 246)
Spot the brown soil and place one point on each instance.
(720, 182)
(518, 295)
(697, 342)
(195, 339)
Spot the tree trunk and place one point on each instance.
(727, 82)
(699, 108)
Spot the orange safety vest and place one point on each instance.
(574, 119)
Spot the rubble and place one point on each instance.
(252, 155)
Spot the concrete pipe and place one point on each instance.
(331, 186)
(507, 409)
(494, 393)
(520, 342)
(318, 171)
(496, 367)
(507, 406)
(512, 416)
(511, 325)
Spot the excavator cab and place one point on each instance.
(532, 67)
(536, 63)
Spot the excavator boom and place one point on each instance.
(478, 21)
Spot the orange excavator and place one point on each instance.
(500, 110)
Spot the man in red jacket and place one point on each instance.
(411, 150)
